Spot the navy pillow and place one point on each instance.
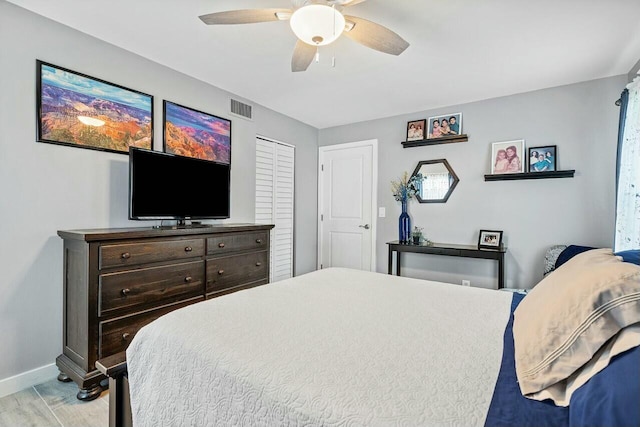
(570, 252)
(632, 256)
(610, 397)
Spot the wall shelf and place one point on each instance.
(435, 141)
(530, 175)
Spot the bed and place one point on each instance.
(346, 347)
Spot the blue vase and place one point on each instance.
(404, 224)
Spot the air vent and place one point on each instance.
(241, 110)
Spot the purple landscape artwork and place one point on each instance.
(81, 111)
(192, 133)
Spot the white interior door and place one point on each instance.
(347, 204)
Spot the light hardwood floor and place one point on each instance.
(53, 404)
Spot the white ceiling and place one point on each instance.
(461, 50)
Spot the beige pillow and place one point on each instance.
(562, 391)
(570, 314)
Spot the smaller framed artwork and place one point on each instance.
(543, 159)
(490, 239)
(506, 157)
(415, 130)
(192, 133)
(445, 125)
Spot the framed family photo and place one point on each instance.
(78, 110)
(490, 239)
(543, 159)
(445, 125)
(508, 157)
(193, 133)
(415, 130)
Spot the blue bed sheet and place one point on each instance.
(509, 408)
(611, 398)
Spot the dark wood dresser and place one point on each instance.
(118, 280)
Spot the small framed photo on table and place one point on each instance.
(415, 130)
(543, 159)
(490, 239)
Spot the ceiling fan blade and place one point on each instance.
(375, 36)
(352, 2)
(302, 56)
(246, 16)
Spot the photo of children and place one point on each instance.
(446, 125)
(542, 159)
(489, 239)
(415, 130)
(506, 157)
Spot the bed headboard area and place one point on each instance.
(557, 255)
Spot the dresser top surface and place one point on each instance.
(90, 235)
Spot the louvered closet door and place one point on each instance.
(274, 202)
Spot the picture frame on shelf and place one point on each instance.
(415, 130)
(78, 110)
(507, 157)
(193, 133)
(490, 239)
(445, 125)
(543, 159)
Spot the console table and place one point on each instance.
(466, 251)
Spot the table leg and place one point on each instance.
(501, 271)
(398, 263)
(390, 268)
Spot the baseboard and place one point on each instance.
(28, 379)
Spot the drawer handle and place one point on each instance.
(220, 272)
(125, 292)
(258, 264)
(125, 336)
(221, 245)
(188, 279)
(125, 255)
(258, 241)
(188, 249)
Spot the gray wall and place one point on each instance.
(634, 71)
(580, 119)
(45, 188)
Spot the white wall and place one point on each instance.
(581, 119)
(45, 187)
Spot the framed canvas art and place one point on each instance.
(192, 133)
(81, 111)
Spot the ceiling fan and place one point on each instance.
(317, 23)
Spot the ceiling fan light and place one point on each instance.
(317, 24)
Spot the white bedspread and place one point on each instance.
(332, 347)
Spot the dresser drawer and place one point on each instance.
(133, 288)
(219, 293)
(230, 271)
(233, 242)
(115, 335)
(151, 251)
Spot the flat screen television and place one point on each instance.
(166, 186)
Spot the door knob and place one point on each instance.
(366, 226)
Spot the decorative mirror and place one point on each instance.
(436, 181)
